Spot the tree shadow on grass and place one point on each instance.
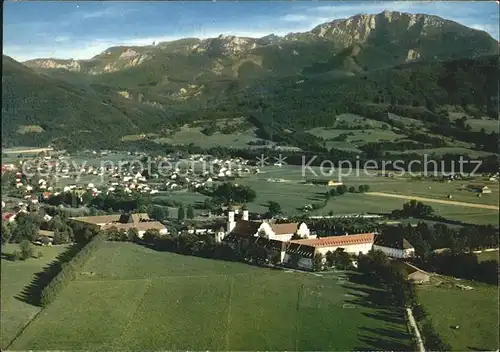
(8, 256)
(469, 348)
(370, 298)
(31, 293)
(390, 317)
(392, 334)
(368, 293)
(381, 344)
(384, 339)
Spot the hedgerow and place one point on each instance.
(70, 269)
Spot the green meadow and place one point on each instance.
(16, 275)
(474, 311)
(134, 298)
(292, 194)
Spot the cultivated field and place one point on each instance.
(474, 311)
(15, 313)
(131, 297)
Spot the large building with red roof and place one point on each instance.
(306, 249)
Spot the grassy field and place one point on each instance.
(368, 131)
(292, 194)
(15, 313)
(491, 255)
(489, 125)
(447, 150)
(474, 311)
(131, 297)
(194, 135)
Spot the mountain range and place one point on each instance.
(139, 89)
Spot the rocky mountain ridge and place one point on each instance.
(301, 79)
(412, 34)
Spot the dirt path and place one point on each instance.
(431, 200)
(26, 151)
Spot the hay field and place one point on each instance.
(134, 298)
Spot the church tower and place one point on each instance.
(230, 221)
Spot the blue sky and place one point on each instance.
(82, 29)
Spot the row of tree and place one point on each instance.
(456, 245)
(376, 266)
(69, 270)
(161, 213)
(342, 189)
(336, 226)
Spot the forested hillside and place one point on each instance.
(414, 66)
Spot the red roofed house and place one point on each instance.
(9, 217)
(308, 248)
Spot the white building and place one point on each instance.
(279, 232)
(394, 246)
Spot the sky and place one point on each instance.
(83, 29)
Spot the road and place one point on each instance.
(21, 151)
(431, 200)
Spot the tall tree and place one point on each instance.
(6, 233)
(274, 208)
(181, 213)
(190, 212)
(27, 250)
(318, 262)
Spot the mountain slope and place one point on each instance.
(189, 69)
(55, 108)
(299, 80)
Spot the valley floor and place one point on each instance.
(430, 200)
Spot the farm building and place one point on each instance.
(308, 248)
(139, 221)
(479, 189)
(331, 183)
(393, 246)
(415, 274)
(45, 237)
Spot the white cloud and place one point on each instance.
(492, 29)
(107, 12)
(65, 48)
(295, 18)
(62, 38)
